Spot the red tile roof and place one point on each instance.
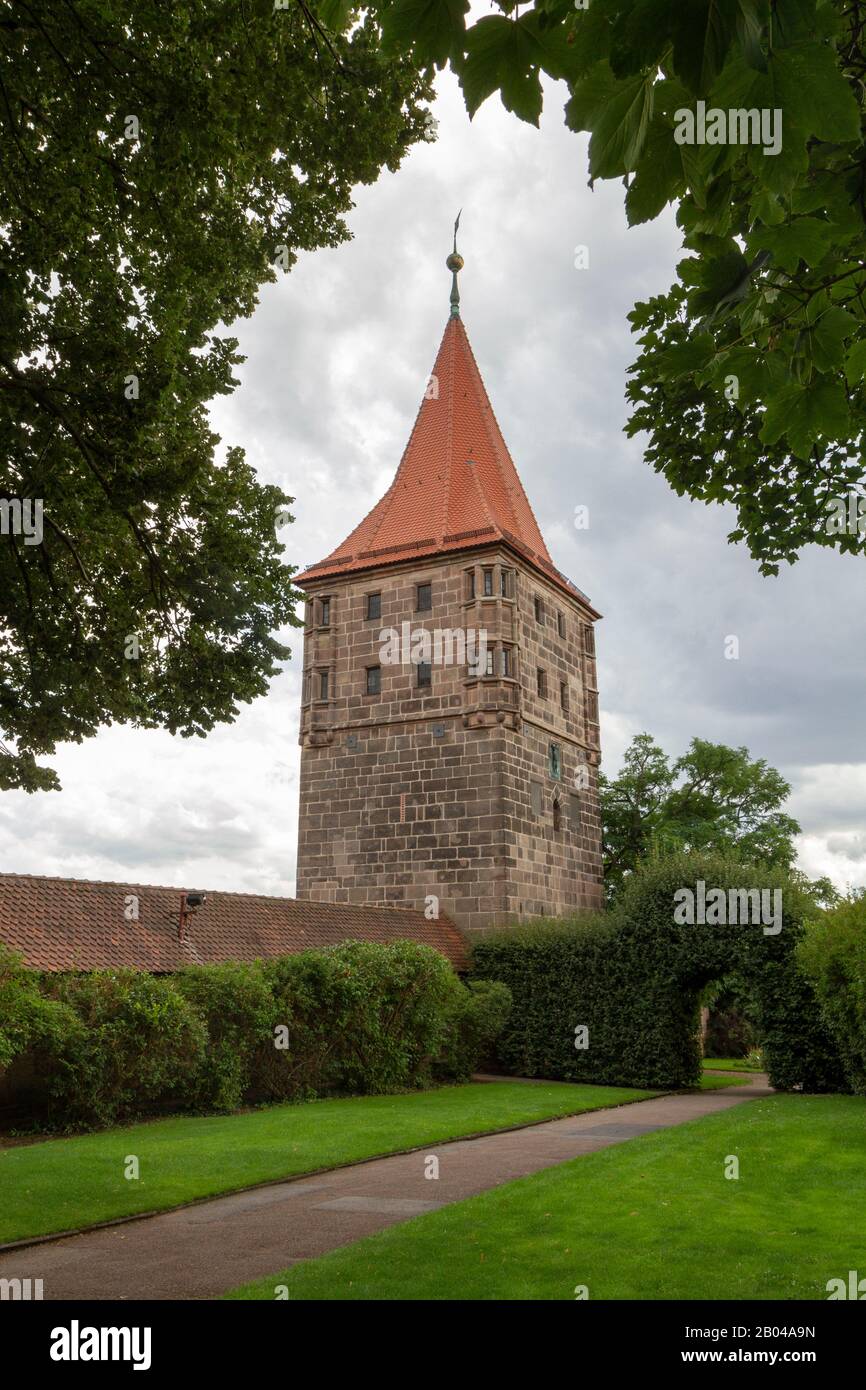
(456, 487)
(73, 924)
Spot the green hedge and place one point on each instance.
(833, 956)
(358, 1018)
(633, 977)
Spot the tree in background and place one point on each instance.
(713, 799)
(158, 163)
(750, 383)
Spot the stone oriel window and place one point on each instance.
(374, 606)
(554, 754)
(324, 612)
(424, 598)
(374, 680)
(425, 674)
(541, 683)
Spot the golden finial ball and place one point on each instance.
(455, 261)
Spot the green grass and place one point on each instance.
(652, 1218)
(716, 1083)
(729, 1064)
(66, 1183)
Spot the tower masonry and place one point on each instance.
(449, 718)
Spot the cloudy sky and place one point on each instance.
(338, 354)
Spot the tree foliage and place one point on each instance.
(750, 382)
(713, 799)
(158, 163)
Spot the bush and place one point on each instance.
(358, 1018)
(131, 1044)
(832, 953)
(476, 1017)
(633, 978)
(362, 1018)
(234, 1004)
(27, 1019)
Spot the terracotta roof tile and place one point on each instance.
(439, 499)
(74, 924)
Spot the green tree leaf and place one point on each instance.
(620, 128)
(434, 29)
(703, 32)
(807, 415)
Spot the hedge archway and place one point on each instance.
(614, 997)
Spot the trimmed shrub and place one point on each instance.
(633, 978)
(132, 1045)
(477, 1015)
(832, 953)
(234, 1004)
(362, 1018)
(27, 1018)
(358, 1018)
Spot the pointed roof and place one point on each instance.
(456, 487)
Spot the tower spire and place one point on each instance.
(455, 263)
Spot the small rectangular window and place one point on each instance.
(488, 583)
(560, 625)
(324, 685)
(505, 583)
(374, 680)
(488, 663)
(374, 605)
(425, 598)
(541, 683)
(425, 673)
(505, 661)
(325, 612)
(539, 610)
(470, 583)
(555, 758)
(589, 641)
(563, 695)
(592, 706)
(306, 694)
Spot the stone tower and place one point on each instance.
(449, 717)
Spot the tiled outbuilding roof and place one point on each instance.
(456, 487)
(75, 924)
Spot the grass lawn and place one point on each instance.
(729, 1064)
(709, 1082)
(65, 1183)
(652, 1218)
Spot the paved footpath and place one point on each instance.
(203, 1250)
